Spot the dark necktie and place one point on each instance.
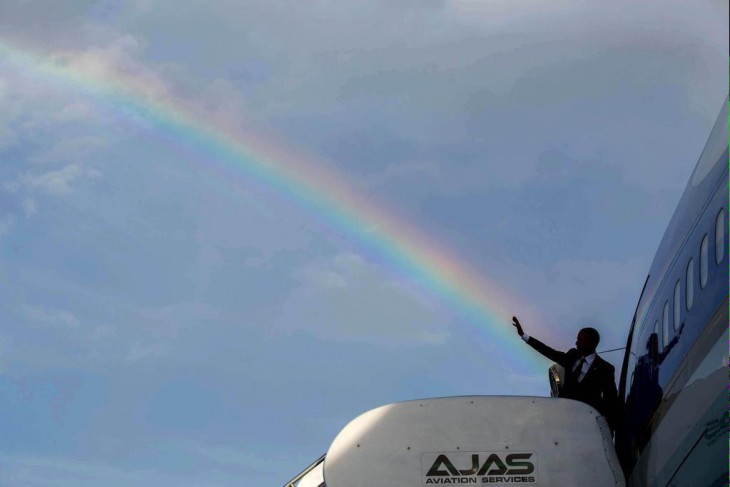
(579, 369)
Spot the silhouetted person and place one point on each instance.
(588, 378)
(646, 393)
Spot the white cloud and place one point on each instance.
(30, 207)
(74, 148)
(57, 182)
(171, 319)
(327, 278)
(141, 351)
(51, 316)
(115, 66)
(5, 224)
(117, 69)
(94, 328)
(10, 116)
(75, 111)
(8, 135)
(347, 298)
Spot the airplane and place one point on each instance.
(674, 376)
(672, 386)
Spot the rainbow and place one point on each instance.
(143, 97)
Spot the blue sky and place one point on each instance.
(167, 324)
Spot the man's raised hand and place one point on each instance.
(516, 324)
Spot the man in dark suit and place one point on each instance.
(588, 378)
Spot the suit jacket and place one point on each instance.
(598, 387)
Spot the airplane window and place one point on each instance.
(665, 324)
(676, 305)
(720, 237)
(690, 289)
(703, 261)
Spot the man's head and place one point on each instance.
(587, 341)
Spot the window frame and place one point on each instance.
(677, 308)
(720, 236)
(665, 324)
(704, 261)
(689, 287)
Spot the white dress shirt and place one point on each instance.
(586, 365)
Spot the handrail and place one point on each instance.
(292, 482)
